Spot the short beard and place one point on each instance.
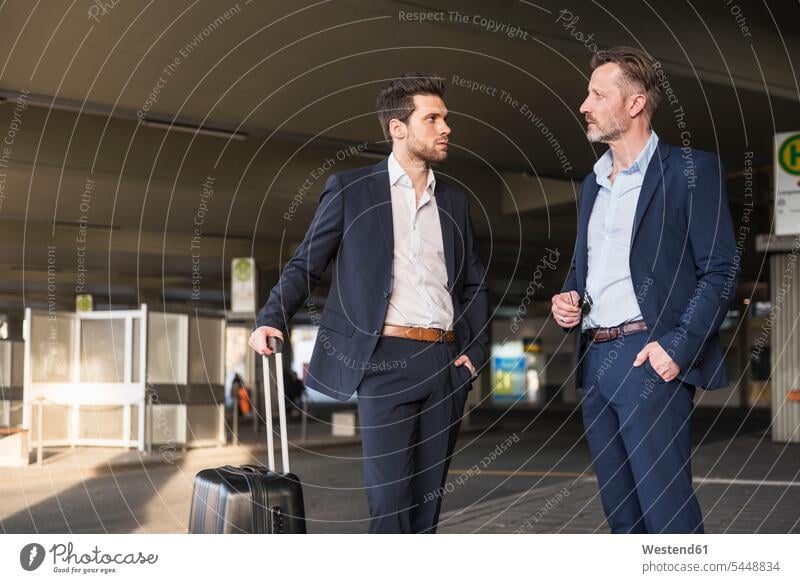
(428, 154)
(605, 135)
(600, 137)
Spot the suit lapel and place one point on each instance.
(381, 194)
(588, 198)
(446, 220)
(652, 178)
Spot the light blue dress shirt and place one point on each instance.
(608, 280)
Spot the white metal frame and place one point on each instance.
(75, 394)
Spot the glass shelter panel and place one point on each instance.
(166, 348)
(102, 351)
(52, 348)
(206, 351)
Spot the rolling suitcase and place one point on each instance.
(252, 498)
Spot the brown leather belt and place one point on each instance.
(423, 334)
(606, 334)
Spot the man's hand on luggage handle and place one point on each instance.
(661, 362)
(464, 360)
(565, 309)
(259, 339)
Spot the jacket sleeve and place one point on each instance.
(474, 298)
(571, 283)
(712, 244)
(303, 271)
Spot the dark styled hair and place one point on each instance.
(638, 69)
(396, 100)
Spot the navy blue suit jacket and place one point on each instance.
(352, 230)
(683, 259)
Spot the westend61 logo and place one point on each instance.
(65, 560)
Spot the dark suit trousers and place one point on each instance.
(410, 404)
(638, 428)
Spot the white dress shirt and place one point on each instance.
(608, 280)
(419, 292)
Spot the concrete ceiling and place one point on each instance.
(299, 81)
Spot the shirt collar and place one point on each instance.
(397, 174)
(602, 168)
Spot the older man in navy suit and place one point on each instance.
(651, 279)
(405, 321)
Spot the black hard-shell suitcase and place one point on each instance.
(252, 498)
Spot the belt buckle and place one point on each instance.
(613, 333)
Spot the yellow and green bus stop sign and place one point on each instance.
(789, 155)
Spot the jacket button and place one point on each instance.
(385, 295)
(375, 331)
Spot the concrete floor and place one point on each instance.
(745, 482)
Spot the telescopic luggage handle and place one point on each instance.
(276, 344)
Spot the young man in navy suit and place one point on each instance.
(405, 321)
(651, 279)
